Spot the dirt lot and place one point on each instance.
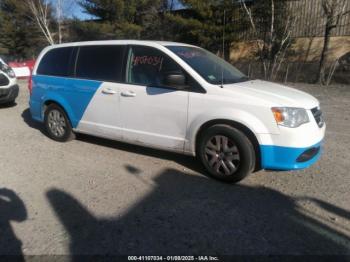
(94, 196)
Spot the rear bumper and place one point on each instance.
(289, 158)
(9, 94)
(35, 110)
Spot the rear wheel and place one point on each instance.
(226, 153)
(57, 124)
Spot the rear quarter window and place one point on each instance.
(56, 62)
(102, 62)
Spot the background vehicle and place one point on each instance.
(179, 98)
(8, 84)
(22, 69)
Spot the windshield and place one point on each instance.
(213, 69)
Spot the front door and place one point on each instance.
(152, 112)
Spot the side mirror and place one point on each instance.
(175, 79)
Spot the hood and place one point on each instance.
(278, 95)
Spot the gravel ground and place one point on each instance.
(94, 196)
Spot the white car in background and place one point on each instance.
(8, 84)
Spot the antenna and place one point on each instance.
(223, 49)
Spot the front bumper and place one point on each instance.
(293, 148)
(289, 158)
(9, 94)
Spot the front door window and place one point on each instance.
(149, 67)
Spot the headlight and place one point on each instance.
(7, 70)
(290, 116)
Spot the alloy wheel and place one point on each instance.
(57, 123)
(222, 155)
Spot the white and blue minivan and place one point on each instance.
(175, 97)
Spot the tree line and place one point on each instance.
(26, 26)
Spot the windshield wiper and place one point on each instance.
(233, 81)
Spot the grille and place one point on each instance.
(318, 116)
(4, 92)
(3, 80)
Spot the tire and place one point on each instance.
(57, 124)
(232, 160)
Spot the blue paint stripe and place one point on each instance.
(284, 158)
(74, 95)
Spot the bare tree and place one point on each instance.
(63, 10)
(272, 48)
(312, 22)
(59, 13)
(334, 11)
(259, 44)
(41, 16)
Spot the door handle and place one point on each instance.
(109, 91)
(128, 94)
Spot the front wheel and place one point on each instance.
(57, 125)
(226, 153)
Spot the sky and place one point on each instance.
(78, 12)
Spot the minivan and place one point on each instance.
(175, 97)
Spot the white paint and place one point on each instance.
(154, 116)
(102, 116)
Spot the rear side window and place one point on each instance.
(104, 63)
(56, 62)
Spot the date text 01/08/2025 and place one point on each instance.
(173, 258)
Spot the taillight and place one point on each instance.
(30, 84)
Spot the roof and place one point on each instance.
(121, 42)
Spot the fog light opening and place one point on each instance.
(308, 154)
